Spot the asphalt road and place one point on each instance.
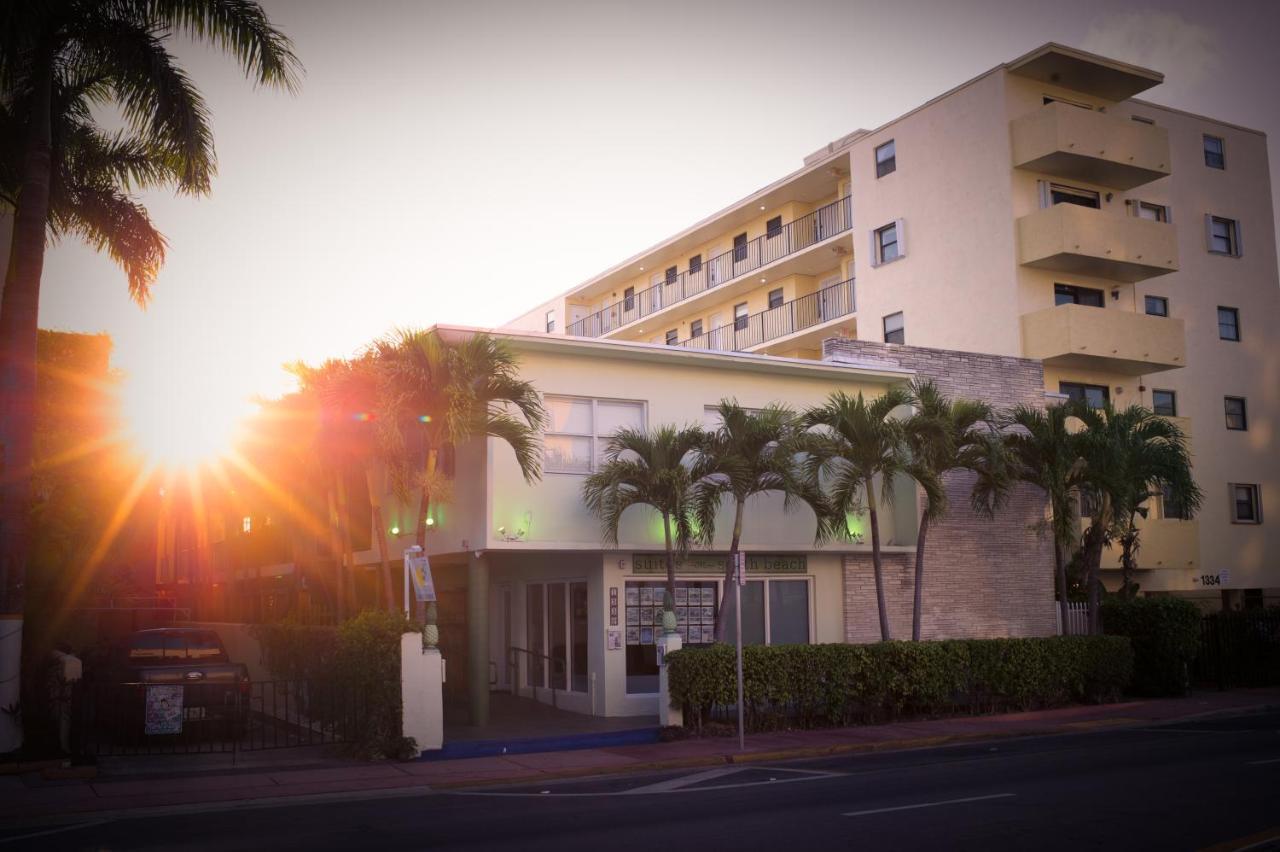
(1186, 786)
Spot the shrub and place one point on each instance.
(1165, 633)
(833, 685)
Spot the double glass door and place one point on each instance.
(556, 627)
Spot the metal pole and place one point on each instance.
(737, 625)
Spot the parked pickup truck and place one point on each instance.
(212, 687)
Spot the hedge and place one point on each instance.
(1165, 633)
(835, 685)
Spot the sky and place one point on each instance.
(459, 162)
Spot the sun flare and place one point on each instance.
(181, 425)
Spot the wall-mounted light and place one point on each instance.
(1115, 295)
(1109, 196)
(395, 531)
(431, 522)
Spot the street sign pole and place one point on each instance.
(739, 577)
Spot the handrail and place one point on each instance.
(513, 662)
(797, 235)
(837, 300)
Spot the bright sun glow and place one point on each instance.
(182, 423)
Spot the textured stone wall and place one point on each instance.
(983, 577)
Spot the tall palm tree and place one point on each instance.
(61, 62)
(947, 435)
(655, 469)
(1045, 452)
(1130, 455)
(855, 443)
(438, 393)
(750, 453)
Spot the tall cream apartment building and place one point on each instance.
(1039, 210)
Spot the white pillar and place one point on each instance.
(668, 713)
(422, 692)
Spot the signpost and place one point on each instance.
(740, 578)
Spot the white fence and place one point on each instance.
(1077, 618)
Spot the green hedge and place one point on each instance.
(1165, 633)
(836, 685)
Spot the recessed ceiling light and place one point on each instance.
(762, 280)
(761, 206)
(642, 269)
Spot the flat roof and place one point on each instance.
(1082, 71)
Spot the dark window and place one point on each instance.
(1224, 236)
(1214, 156)
(1156, 306)
(740, 316)
(629, 299)
(1164, 403)
(673, 337)
(1068, 294)
(773, 227)
(1059, 194)
(671, 275)
(695, 328)
(1245, 508)
(1095, 396)
(775, 298)
(1237, 415)
(740, 248)
(1228, 323)
(887, 243)
(1154, 212)
(1171, 507)
(895, 328)
(886, 159)
(551, 321)
(695, 264)
(1088, 504)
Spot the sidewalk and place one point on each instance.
(32, 798)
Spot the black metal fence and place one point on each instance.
(1239, 649)
(195, 718)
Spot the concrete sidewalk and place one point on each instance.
(32, 798)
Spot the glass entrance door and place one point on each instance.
(556, 625)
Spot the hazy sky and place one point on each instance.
(458, 162)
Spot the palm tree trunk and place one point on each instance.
(1060, 570)
(1093, 541)
(726, 599)
(348, 555)
(335, 548)
(671, 563)
(919, 590)
(424, 502)
(873, 518)
(380, 529)
(19, 314)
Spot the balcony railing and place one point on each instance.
(796, 236)
(826, 304)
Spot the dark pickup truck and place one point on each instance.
(203, 684)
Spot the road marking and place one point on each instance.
(1264, 762)
(681, 784)
(74, 827)
(931, 804)
(684, 781)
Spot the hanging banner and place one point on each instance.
(419, 568)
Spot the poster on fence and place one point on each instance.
(163, 710)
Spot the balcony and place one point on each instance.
(1084, 145)
(786, 320)
(791, 239)
(1105, 339)
(1084, 241)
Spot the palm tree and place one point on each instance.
(61, 61)
(948, 435)
(859, 442)
(438, 393)
(1045, 452)
(655, 469)
(750, 453)
(1130, 455)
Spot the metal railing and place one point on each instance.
(798, 235)
(829, 303)
(536, 672)
(1239, 649)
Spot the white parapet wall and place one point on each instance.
(422, 692)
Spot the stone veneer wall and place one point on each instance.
(984, 577)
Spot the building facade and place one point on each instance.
(1040, 210)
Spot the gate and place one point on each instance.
(1239, 649)
(197, 718)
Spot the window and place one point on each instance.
(556, 625)
(773, 227)
(740, 248)
(886, 159)
(579, 430)
(551, 321)
(695, 328)
(1228, 323)
(695, 605)
(1245, 506)
(740, 316)
(1237, 416)
(1214, 157)
(1152, 212)
(1142, 119)
(1095, 396)
(246, 524)
(673, 337)
(774, 612)
(1164, 403)
(895, 329)
(885, 244)
(1068, 294)
(671, 275)
(775, 298)
(695, 264)
(1171, 507)
(1156, 306)
(1223, 235)
(1062, 194)
(629, 299)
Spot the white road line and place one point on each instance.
(1264, 762)
(74, 827)
(685, 780)
(931, 804)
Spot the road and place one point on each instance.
(1184, 786)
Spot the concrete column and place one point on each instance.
(478, 638)
(422, 692)
(668, 713)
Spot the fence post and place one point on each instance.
(422, 693)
